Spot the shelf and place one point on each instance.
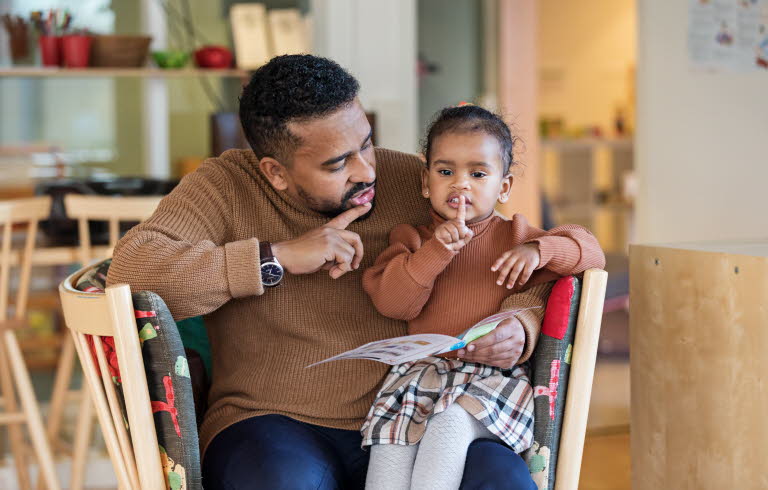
(44, 72)
(588, 207)
(41, 353)
(586, 143)
(44, 300)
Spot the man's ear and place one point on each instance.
(425, 181)
(275, 172)
(506, 187)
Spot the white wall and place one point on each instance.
(702, 139)
(376, 41)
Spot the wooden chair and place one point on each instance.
(135, 453)
(579, 392)
(86, 208)
(113, 311)
(13, 371)
(113, 210)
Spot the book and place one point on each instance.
(414, 347)
(288, 32)
(250, 34)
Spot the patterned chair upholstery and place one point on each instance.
(550, 366)
(168, 379)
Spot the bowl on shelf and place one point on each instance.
(170, 59)
(119, 51)
(213, 57)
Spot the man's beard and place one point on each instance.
(331, 210)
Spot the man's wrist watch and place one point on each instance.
(271, 270)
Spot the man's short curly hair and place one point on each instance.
(291, 88)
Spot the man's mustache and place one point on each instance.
(359, 187)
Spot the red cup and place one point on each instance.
(50, 50)
(76, 50)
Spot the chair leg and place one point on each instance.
(83, 433)
(15, 435)
(60, 388)
(59, 394)
(32, 411)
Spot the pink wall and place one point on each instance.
(518, 78)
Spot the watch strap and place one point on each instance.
(265, 252)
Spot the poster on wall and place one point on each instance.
(728, 35)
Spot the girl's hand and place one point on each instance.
(517, 265)
(454, 234)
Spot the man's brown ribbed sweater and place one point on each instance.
(436, 290)
(199, 251)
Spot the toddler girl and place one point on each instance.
(468, 264)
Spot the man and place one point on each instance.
(269, 245)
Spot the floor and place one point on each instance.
(606, 463)
(606, 460)
(609, 405)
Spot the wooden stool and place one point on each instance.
(84, 209)
(14, 376)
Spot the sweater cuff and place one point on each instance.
(546, 252)
(426, 263)
(531, 322)
(243, 268)
(532, 317)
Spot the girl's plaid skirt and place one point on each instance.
(501, 399)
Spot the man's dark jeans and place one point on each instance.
(276, 452)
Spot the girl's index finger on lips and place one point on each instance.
(462, 214)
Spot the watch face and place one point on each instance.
(271, 274)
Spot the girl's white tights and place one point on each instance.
(437, 461)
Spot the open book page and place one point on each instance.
(399, 349)
(413, 347)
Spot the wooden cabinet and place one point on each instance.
(699, 361)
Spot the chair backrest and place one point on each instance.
(90, 317)
(583, 358)
(26, 212)
(85, 208)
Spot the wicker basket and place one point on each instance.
(120, 51)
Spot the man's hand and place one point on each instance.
(518, 263)
(501, 348)
(454, 234)
(330, 247)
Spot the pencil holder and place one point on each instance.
(50, 50)
(76, 51)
